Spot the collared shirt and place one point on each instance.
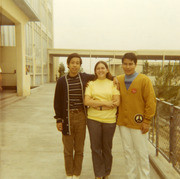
(129, 78)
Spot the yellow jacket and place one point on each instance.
(137, 104)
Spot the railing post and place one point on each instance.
(174, 140)
(157, 127)
(153, 128)
(168, 132)
(171, 136)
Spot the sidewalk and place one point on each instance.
(31, 147)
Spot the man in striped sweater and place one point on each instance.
(70, 114)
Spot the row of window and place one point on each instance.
(38, 37)
(43, 8)
(7, 34)
(37, 43)
(36, 5)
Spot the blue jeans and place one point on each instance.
(101, 136)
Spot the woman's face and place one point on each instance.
(101, 71)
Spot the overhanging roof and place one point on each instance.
(27, 9)
(141, 54)
(5, 21)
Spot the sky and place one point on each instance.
(117, 24)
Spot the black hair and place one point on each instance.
(72, 56)
(130, 56)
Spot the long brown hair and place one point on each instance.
(108, 75)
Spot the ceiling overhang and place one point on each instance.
(5, 20)
(26, 8)
(141, 54)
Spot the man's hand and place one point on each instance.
(116, 83)
(115, 103)
(59, 126)
(145, 128)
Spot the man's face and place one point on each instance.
(128, 66)
(74, 66)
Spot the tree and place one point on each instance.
(61, 69)
(166, 83)
(146, 68)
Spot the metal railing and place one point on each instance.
(164, 132)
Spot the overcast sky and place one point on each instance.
(117, 24)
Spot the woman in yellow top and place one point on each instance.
(102, 98)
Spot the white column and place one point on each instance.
(33, 53)
(23, 80)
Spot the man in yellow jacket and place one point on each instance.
(137, 107)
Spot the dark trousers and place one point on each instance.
(101, 136)
(74, 144)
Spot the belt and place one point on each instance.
(76, 110)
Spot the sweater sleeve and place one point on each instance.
(58, 100)
(150, 101)
(89, 77)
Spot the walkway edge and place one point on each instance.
(164, 169)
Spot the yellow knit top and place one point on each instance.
(102, 90)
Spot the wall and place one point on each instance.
(8, 65)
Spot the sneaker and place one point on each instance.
(75, 177)
(106, 177)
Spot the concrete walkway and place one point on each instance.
(31, 147)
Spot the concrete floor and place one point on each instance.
(31, 147)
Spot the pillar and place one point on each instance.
(23, 80)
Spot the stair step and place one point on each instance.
(8, 99)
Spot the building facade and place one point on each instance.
(26, 32)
